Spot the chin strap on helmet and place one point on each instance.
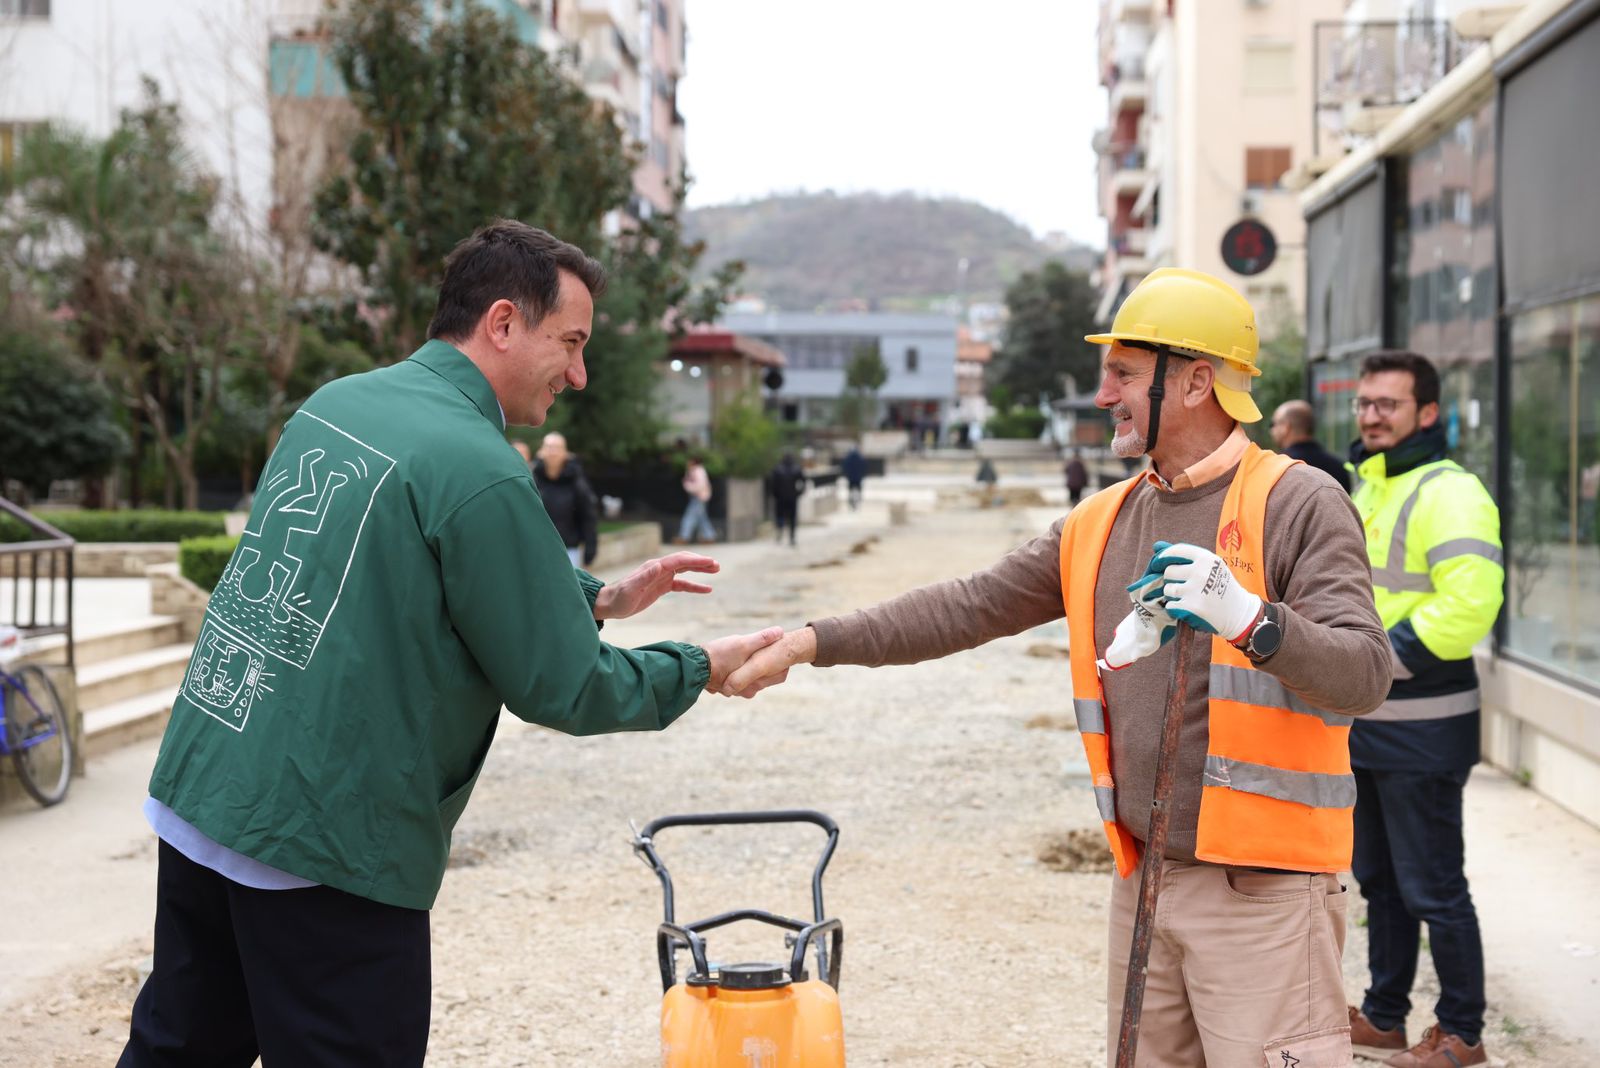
(1157, 393)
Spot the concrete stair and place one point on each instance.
(128, 676)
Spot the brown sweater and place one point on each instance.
(1335, 654)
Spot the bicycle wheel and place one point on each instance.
(36, 734)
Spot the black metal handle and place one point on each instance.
(644, 845)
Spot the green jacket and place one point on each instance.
(397, 582)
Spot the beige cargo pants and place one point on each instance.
(1244, 969)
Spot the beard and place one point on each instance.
(1129, 445)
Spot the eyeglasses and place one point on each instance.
(1384, 406)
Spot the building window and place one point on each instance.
(1442, 290)
(24, 9)
(1552, 531)
(1264, 168)
(911, 359)
(1268, 67)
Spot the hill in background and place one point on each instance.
(893, 252)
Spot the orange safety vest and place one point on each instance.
(1277, 790)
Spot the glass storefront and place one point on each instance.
(1442, 298)
(1553, 559)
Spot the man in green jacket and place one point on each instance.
(397, 583)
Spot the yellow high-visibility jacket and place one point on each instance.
(1433, 539)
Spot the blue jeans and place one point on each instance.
(1409, 860)
(696, 524)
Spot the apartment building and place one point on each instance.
(1208, 109)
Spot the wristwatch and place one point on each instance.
(1264, 638)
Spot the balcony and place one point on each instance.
(1128, 94)
(1129, 171)
(1131, 10)
(1366, 72)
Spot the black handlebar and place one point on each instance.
(671, 935)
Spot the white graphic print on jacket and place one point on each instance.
(268, 602)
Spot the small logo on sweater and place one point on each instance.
(1230, 539)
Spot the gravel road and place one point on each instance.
(956, 785)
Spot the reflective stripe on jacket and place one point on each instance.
(1433, 539)
(1277, 789)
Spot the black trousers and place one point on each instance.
(785, 514)
(301, 978)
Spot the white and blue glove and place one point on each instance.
(1142, 631)
(1197, 588)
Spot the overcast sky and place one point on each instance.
(993, 101)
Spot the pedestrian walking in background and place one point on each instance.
(854, 469)
(1077, 477)
(398, 583)
(568, 499)
(696, 523)
(1264, 558)
(786, 483)
(1433, 540)
(1294, 430)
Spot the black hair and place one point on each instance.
(1424, 377)
(507, 260)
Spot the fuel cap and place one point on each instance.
(752, 976)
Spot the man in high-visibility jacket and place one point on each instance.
(1433, 537)
(1265, 557)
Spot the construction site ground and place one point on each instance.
(970, 873)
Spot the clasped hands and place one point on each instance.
(742, 664)
(1182, 583)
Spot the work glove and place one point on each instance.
(1142, 631)
(1197, 588)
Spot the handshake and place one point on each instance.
(745, 664)
(1181, 584)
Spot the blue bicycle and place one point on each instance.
(35, 731)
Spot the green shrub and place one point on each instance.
(202, 560)
(746, 437)
(1023, 423)
(151, 524)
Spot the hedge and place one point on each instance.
(151, 524)
(202, 560)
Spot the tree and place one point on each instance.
(116, 235)
(457, 121)
(1051, 310)
(863, 377)
(56, 420)
(1283, 376)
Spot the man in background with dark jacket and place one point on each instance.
(568, 498)
(1294, 429)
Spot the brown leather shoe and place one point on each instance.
(1367, 1040)
(1439, 1050)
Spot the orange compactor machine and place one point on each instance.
(750, 1014)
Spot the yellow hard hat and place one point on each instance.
(1194, 313)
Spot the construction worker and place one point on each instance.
(1433, 536)
(1263, 555)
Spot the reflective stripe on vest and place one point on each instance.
(1393, 575)
(1277, 789)
(1443, 706)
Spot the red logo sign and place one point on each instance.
(1230, 539)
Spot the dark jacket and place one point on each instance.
(570, 501)
(853, 467)
(1077, 474)
(786, 483)
(1313, 453)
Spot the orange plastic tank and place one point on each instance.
(752, 1018)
